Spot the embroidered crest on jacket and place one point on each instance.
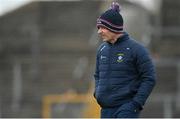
(120, 57)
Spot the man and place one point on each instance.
(125, 75)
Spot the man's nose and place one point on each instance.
(99, 30)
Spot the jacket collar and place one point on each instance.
(124, 37)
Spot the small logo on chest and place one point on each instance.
(120, 57)
(103, 57)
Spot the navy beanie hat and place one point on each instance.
(111, 19)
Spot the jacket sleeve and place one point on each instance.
(147, 75)
(96, 74)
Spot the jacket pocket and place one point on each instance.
(130, 106)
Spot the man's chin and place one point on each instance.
(105, 40)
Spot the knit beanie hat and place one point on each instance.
(111, 19)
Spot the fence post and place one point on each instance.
(167, 105)
(17, 86)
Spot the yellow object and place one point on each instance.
(92, 109)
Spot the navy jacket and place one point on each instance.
(124, 73)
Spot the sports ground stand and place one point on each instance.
(49, 48)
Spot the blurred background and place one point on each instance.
(48, 48)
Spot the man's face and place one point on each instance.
(106, 34)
